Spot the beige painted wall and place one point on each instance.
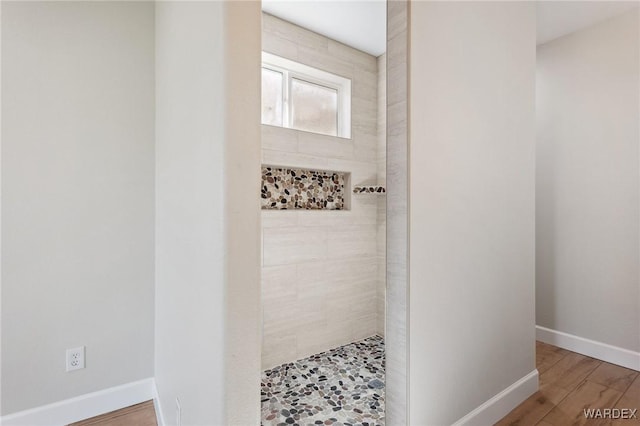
(78, 203)
(242, 213)
(320, 268)
(587, 214)
(77, 197)
(207, 231)
(471, 210)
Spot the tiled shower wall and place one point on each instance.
(398, 14)
(320, 269)
(382, 201)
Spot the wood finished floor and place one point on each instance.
(569, 383)
(142, 414)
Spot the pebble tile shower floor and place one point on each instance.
(340, 387)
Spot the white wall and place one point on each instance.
(587, 249)
(472, 136)
(207, 227)
(77, 197)
(320, 268)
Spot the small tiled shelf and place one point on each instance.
(376, 190)
(285, 188)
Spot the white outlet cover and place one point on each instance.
(75, 358)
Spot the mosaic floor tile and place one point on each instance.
(340, 387)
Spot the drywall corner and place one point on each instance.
(242, 32)
(190, 282)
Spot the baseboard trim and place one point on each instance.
(157, 406)
(84, 406)
(602, 351)
(501, 404)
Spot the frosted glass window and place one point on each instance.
(314, 108)
(272, 97)
(297, 96)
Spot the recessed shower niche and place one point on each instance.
(288, 188)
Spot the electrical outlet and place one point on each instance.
(178, 413)
(75, 358)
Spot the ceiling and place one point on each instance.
(559, 18)
(361, 24)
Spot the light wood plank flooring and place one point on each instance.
(570, 383)
(142, 414)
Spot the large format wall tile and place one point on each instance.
(396, 212)
(286, 245)
(321, 273)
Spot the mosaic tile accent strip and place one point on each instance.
(287, 189)
(340, 387)
(369, 190)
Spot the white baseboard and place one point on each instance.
(501, 404)
(602, 351)
(156, 405)
(84, 406)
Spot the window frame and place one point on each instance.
(291, 69)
